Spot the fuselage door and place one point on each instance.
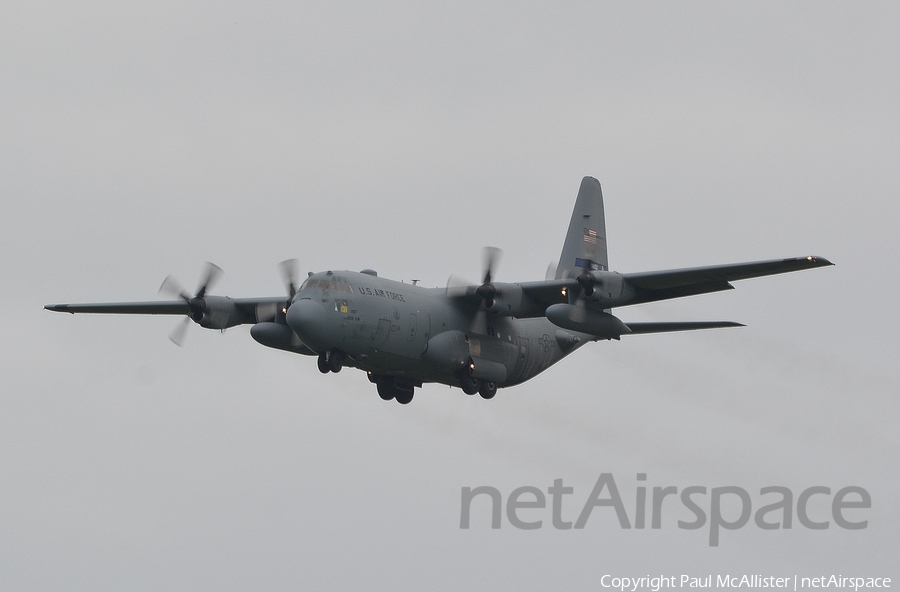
(522, 362)
(381, 332)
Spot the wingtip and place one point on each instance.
(818, 261)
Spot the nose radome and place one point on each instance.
(309, 321)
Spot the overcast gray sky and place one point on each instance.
(138, 141)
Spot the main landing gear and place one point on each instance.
(471, 385)
(488, 389)
(331, 361)
(388, 389)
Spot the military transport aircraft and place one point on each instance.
(476, 337)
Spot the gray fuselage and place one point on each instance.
(388, 327)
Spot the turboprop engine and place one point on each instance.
(216, 312)
(606, 288)
(211, 312)
(509, 300)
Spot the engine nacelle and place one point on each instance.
(219, 312)
(511, 301)
(610, 289)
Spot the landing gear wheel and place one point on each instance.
(322, 363)
(488, 389)
(388, 389)
(404, 396)
(385, 388)
(335, 361)
(468, 384)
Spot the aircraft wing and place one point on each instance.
(675, 283)
(651, 286)
(239, 310)
(548, 292)
(175, 307)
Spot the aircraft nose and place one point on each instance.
(308, 320)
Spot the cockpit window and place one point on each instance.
(340, 284)
(335, 284)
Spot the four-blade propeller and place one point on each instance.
(196, 304)
(487, 291)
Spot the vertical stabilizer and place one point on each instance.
(586, 239)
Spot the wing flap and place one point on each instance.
(643, 295)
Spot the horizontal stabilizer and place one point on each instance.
(679, 326)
